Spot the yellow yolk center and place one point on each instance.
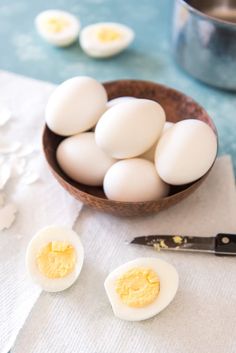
(106, 35)
(57, 259)
(55, 24)
(138, 287)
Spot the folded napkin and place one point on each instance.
(36, 202)
(200, 319)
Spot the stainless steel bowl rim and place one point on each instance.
(205, 16)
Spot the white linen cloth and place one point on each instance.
(202, 317)
(39, 204)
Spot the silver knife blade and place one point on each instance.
(177, 243)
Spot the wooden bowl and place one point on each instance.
(177, 107)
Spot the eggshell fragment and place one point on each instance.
(82, 160)
(9, 147)
(26, 150)
(17, 165)
(134, 180)
(2, 199)
(128, 129)
(75, 106)
(185, 152)
(7, 216)
(5, 174)
(29, 177)
(5, 115)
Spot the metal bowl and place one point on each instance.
(204, 40)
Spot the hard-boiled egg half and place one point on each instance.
(54, 258)
(57, 27)
(105, 39)
(141, 288)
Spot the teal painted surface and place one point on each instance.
(149, 57)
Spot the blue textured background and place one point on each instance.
(149, 57)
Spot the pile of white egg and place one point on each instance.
(125, 145)
(98, 40)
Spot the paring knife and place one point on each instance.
(221, 244)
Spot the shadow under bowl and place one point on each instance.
(177, 107)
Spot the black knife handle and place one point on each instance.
(225, 244)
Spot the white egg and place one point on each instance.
(75, 106)
(105, 39)
(54, 258)
(186, 152)
(128, 129)
(167, 126)
(134, 180)
(57, 27)
(132, 288)
(118, 100)
(150, 154)
(82, 160)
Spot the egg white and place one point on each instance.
(93, 47)
(41, 239)
(169, 281)
(61, 39)
(118, 100)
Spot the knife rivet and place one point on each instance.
(225, 240)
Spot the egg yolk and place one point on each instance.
(57, 259)
(106, 35)
(138, 287)
(55, 24)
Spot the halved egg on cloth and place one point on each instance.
(54, 258)
(141, 288)
(59, 28)
(101, 40)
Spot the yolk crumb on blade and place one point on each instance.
(56, 259)
(178, 239)
(138, 287)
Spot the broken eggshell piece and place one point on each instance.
(7, 216)
(5, 115)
